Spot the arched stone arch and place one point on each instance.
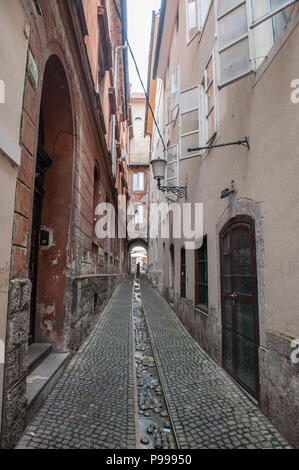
(138, 242)
(52, 207)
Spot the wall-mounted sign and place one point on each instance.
(32, 70)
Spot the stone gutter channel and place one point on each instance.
(154, 428)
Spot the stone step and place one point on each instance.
(42, 380)
(37, 353)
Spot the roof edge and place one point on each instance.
(159, 39)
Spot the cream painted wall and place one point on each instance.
(267, 176)
(139, 145)
(13, 56)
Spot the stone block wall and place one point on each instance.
(87, 301)
(279, 381)
(16, 361)
(90, 296)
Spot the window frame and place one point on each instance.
(138, 173)
(168, 117)
(199, 131)
(203, 20)
(171, 163)
(189, 38)
(249, 35)
(174, 107)
(207, 112)
(198, 283)
(136, 211)
(253, 24)
(220, 50)
(177, 24)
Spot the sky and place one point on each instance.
(139, 31)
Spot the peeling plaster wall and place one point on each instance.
(14, 45)
(72, 252)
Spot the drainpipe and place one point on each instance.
(116, 49)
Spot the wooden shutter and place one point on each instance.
(233, 40)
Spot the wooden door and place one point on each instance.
(239, 302)
(43, 163)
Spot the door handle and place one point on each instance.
(234, 296)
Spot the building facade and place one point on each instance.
(15, 29)
(226, 73)
(138, 176)
(60, 154)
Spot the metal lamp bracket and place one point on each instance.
(243, 143)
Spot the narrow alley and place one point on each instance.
(149, 225)
(97, 404)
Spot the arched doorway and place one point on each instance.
(51, 208)
(137, 254)
(240, 324)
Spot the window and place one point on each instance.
(233, 41)
(192, 19)
(267, 33)
(96, 194)
(183, 274)
(104, 52)
(138, 181)
(177, 23)
(139, 214)
(175, 93)
(168, 106)
(204, 6)
(208, 86)
(201, 275)
(235, 58)
(197, 12)
(190, 121)
(172, 166)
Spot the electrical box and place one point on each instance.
(44, 237)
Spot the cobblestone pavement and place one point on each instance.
(92, 406)
(207, 409)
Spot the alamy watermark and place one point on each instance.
(187, 221)
(2, 351)
(295, 93)
(295, 353)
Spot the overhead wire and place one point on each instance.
(138, 73)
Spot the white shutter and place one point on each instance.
(172, 165)
(190, 121)
(233, 40)
(175, 93)
(262, 10)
